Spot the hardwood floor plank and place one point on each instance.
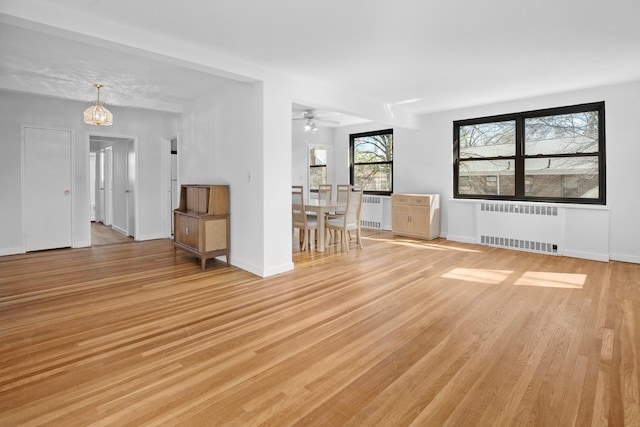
(402, 332)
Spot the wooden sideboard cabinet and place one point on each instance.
(201, 222)
(416, 215)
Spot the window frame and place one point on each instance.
(352, 164)
(326, 170)
(519, 156)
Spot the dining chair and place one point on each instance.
(325, 192)
(342, 193)
(350, 220)
(300, 220)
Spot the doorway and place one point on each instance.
(173, 200)
(114, 184)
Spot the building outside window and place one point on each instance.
(553, 155)
(371, 160)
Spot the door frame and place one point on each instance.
(108, 179)
(23, 127)
(136, 178)
(166, 179)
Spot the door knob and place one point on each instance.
(67, 191)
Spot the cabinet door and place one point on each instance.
(400, 218)
(218, 200)
(216, 234)
(192, 199)
(419, 220)
(186, 230)
(203, 200)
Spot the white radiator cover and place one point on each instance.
(528, 227)
(372, 213)
(376, 212)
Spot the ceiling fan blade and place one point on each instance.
(310, 115)
(319, 120)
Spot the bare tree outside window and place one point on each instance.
(565, 147)
(317, 167)
(372, 161)
(546, 155)
(495, 144)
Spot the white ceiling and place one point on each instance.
(420, 55)
(37, 62)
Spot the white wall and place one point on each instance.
(245, 128)
(148, 126)
(341, 148)
(301, 142)
(429, 158)
(423, 164)
(409, 152)
(227, 137)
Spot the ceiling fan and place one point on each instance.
(310, 119)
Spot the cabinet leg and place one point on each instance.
(203, 261)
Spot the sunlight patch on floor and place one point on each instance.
(419, 244)
(549, 279)
(478, 275)
(544, 279)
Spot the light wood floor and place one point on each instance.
(402, 332)
(105, 235)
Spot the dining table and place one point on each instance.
(321, 208)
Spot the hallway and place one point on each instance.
(104, 235)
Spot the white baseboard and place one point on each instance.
(156, 236)
(586, 255)
(11, 251)
(461, 239)
(258, 271)
(625, 258)
(119, 230)
(82, 244)
(278, 269)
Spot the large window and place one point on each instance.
(554, 155)
(317, 167)
(371, 159)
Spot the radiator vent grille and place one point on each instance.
(526, 245)
(371, 215)
(371, 199)
(370, 224)
(520, 209)
(521, 226)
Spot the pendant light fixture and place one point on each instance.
(97, 114)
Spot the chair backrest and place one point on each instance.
(342, 195)
(342, 192)
(325, 192)
(298, 213)
(354, 206)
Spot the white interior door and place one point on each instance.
(119, 193)
(108, 175)
(130, 186)
(47, 196)
(100, 183)
(174, 187)
(93, 203)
